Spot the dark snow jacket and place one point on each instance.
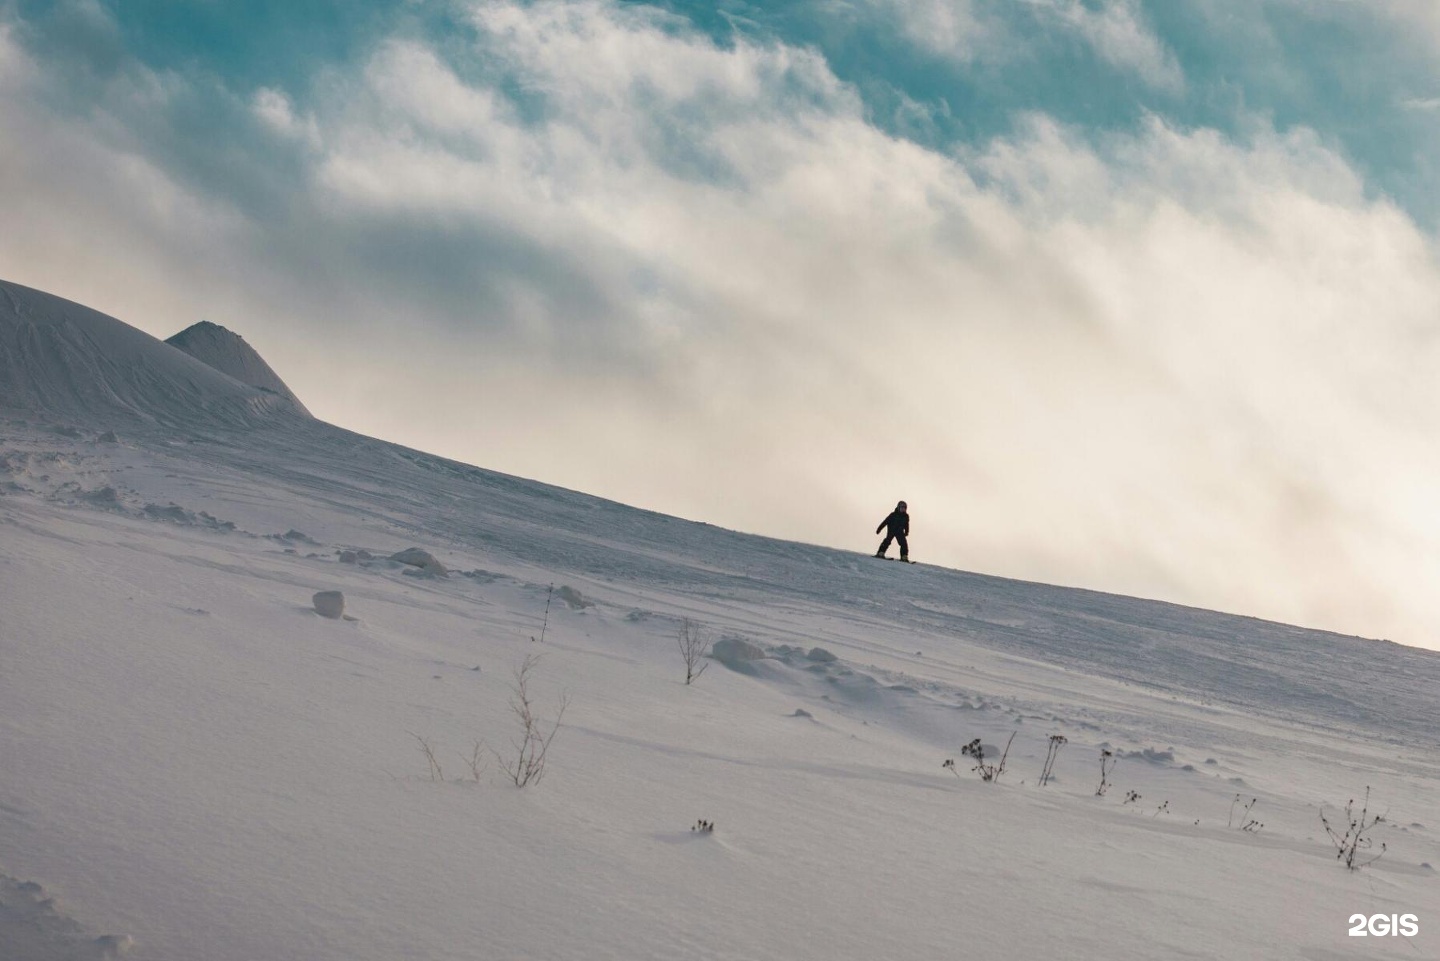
(898, 523)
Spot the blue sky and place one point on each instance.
(1137, 296)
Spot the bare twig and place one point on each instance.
(473, 761)
(546, 622)
(693, 644)
(436, 774)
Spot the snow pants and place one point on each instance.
(897, 538)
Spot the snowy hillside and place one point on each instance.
(197, 765)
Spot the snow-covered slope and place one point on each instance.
(228, 353)
(197, 765)
(60, 359)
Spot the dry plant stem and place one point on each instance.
(1056, 741)
(1107, 764)
(692, 648)
(546, 622)
(476, 768)
(528, 763)
(436, 774)
(1000, 768)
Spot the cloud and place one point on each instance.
(951, 28)
(1116, 31)
(990, 32)
(694, 275)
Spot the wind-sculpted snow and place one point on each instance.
(61, 360)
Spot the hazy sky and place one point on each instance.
(1139, 296)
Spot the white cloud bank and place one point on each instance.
(695, 278)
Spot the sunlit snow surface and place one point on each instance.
(195, 765)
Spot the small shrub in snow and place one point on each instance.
(527, 766)
(1351, 843)
(1162, 809)
(987, 772)
(1107, 764)
(1131, 797)
(1056, 742)
(704, 827)
(692, 649)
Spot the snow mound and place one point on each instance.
(61, 359)
(228, 353)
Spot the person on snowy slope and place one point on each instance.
(897, 528)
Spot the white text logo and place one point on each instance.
(1380, 925)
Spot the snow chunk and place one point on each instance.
(423, 560)
(1151, 756)
(329, 604)
(821, 656)
(174, 513)
(733, 650)
(572, 598)
(104, 497)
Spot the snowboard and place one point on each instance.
(902, 560)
